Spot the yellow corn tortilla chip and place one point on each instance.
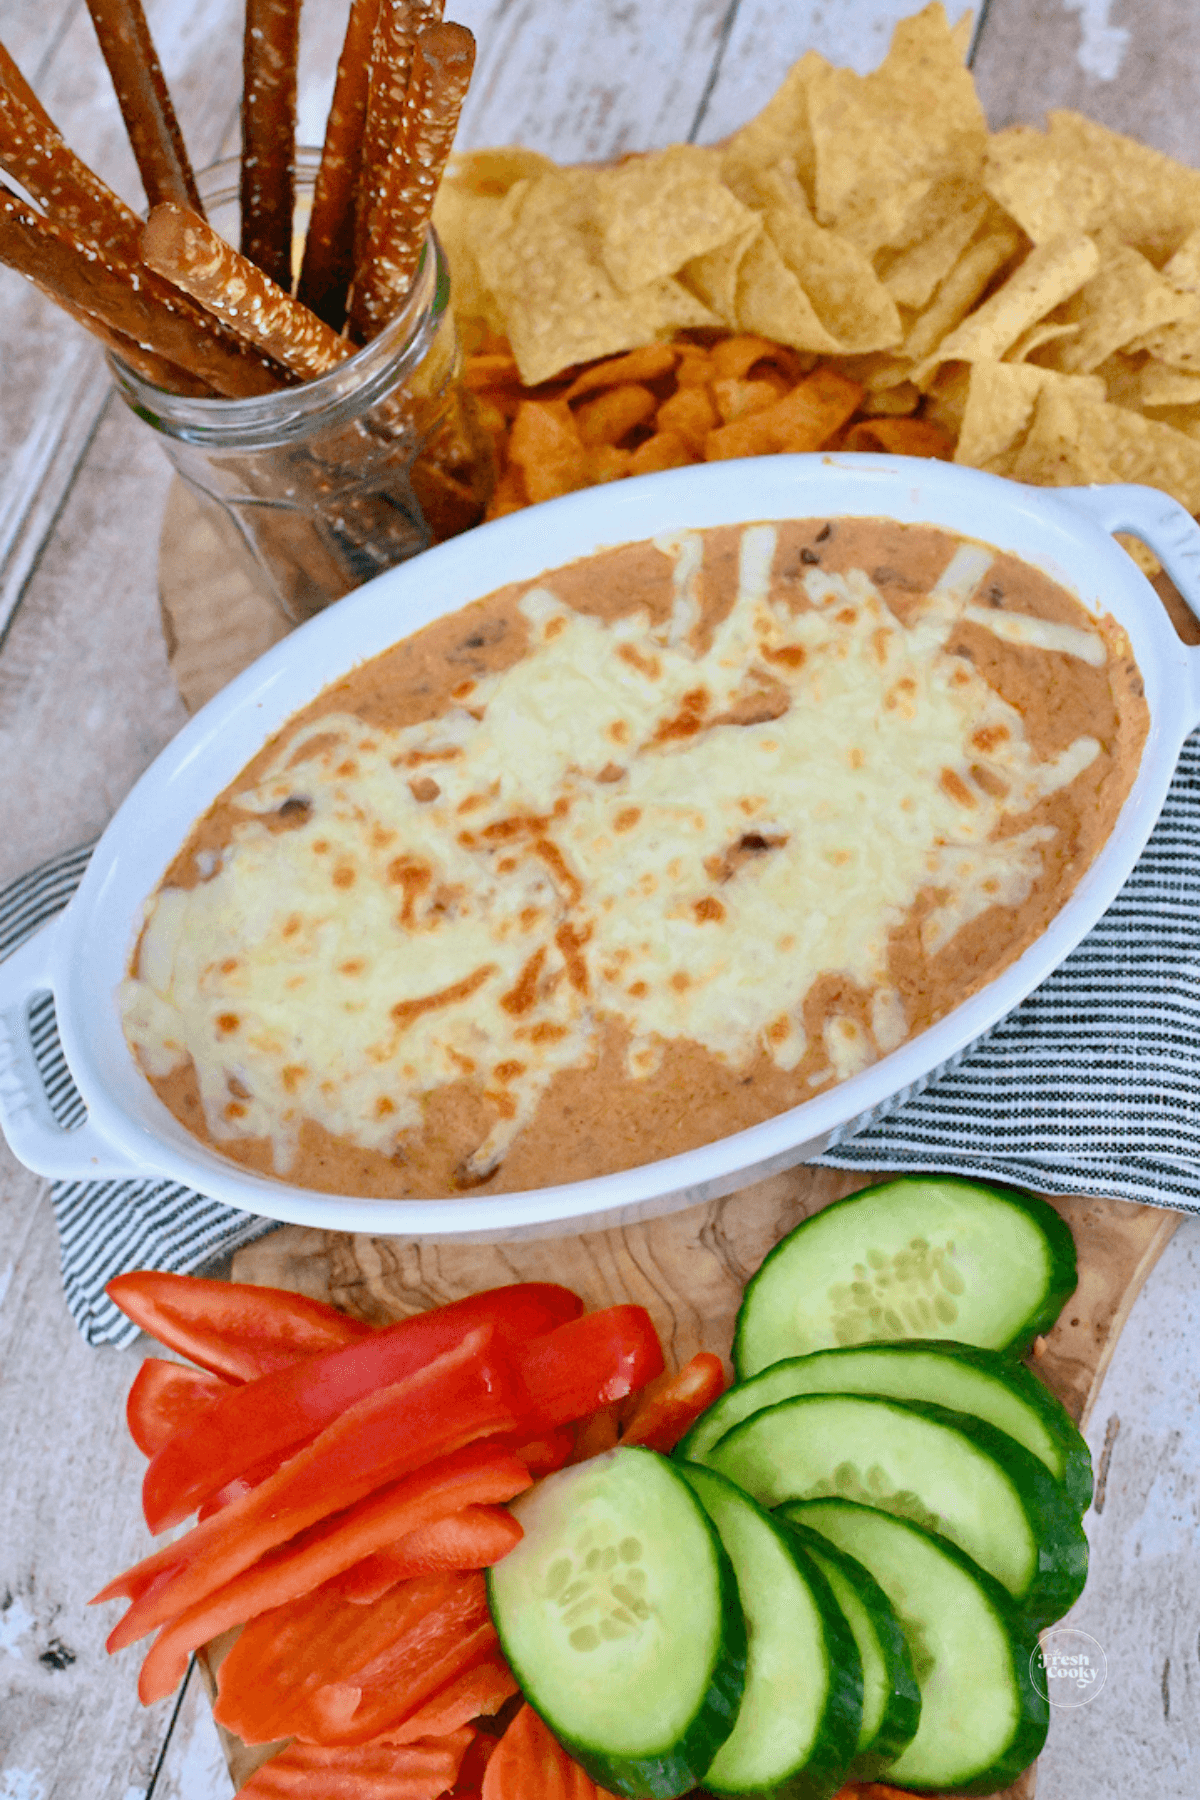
(955, 212)
(657, 212)
(781, 129)
(916, 119)
(1072, 432)
(1183, 269)
(1126, 298)
(713, 278)
(1001, 399)
(1044, 332)
(1050, 274)
(972, 273)
(771, 302)
(1079, 176)
(557, 302)
(493, 172)
(848, 297)
(1177, 344)
(463, 219)
(1160, 385)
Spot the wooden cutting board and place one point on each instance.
(688, 1270)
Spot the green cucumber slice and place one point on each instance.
(982, 1719)
(947, 1471)
(960, 1376)
(925, 1256)
(619, 1615)
(891, 1698)
(797, 1726)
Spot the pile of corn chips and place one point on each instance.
(861, 266)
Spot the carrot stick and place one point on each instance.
(269, 135)
(185, 250)
(32, 152)
(396, 28)
(145, 103)
(442, 63)
(329, 246)
(109, 298)
(12, 79)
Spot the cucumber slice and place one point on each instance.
(945, 1470)
(925, 1256)
(891, 1698)
(618, 1613)
(798, 1723)
(984, 1382)
(982, 1719)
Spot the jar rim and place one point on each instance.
(359, 380)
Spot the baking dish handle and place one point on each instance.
(1167, 528)
(34, 1135)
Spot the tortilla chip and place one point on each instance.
(463, 219)
(1074, 437)
(771, 301)
(657, 212)
(493, 172)
(956, 210)
(1044, 332)
(1125, 299)
(781, 129)
(1183, 269)
(557, 302)
(1177, 344)
(713, 278)
(967, 280)
(1079, 176)
(849, 299)
(1160, 385)
(877, 138)
(1049, 275)
(1000, 405)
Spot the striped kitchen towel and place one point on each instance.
(1089, 1087)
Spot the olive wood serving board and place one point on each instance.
(688, 1269)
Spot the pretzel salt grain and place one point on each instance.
(32, 152)
(12, 79)
(397, 27)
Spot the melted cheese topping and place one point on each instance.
(600, 839)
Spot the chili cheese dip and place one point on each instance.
(618, 861)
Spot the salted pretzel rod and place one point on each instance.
(12, 79)
(396, 30)
(441, 73)
(32, 153)
(109, 298)
(188, 252)
(145, 102)
(329, 245)
(269, 135)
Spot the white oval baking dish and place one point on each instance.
(81, 956)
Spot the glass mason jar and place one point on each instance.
(316, 486)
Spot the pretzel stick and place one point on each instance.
(441, 74)
(12, 79)
(396, 32)
(269, 135)
(329, 245)
(34, 155)
(189, 253)
(111, 298)
(145, 103)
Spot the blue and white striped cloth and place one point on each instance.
(1090, 1087)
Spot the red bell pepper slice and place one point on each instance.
(434, 1494)
(475, 1694)
(671, 1405)
(290, 1406)
(383, 1771)
(231, 1328)
(530, 1764)
(165, 1397)
(381, 1697)
(459, 1397)
(589, 1363)
(475, 1537)
(543, 1455)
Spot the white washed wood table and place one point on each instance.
(86, 701)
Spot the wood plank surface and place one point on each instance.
(86, 700)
